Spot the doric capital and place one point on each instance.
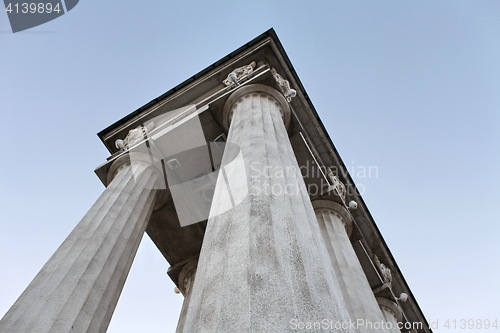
(391, 307)
(337, 210)
(246, 91)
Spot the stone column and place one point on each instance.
(262, 267)
(336, 226)
(392, 313)
(78, 288)
(186, 280)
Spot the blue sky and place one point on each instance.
(411, 87)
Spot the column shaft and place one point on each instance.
(186, 280)
(78, 288)
(361, 303)
(262, 267)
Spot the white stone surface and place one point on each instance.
(78, 288)
(262, 263)
(336, 226)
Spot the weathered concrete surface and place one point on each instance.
(262, 263)
(78, 288)
(336, 226)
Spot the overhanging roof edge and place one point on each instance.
(269, 33)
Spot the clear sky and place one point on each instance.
(410, 87)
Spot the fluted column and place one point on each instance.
(392, 314)
(78, 288)
(186, 280)
(336, 227)
(262, 267)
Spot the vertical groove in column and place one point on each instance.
(98, 247)
(103, 237)
(77, 290)
(335, 250)
(265, 277)
(120, 255)
(44, 278)
(358, 295)
(262, 263)
(284, 231)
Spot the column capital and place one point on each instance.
(138, 160)
(338, 210)
(391, 307)
(238, 96)
(186, 274)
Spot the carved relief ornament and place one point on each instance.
(384, 270)
(284, 85)
(341, 189)
(134, 136)
(239, 74)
